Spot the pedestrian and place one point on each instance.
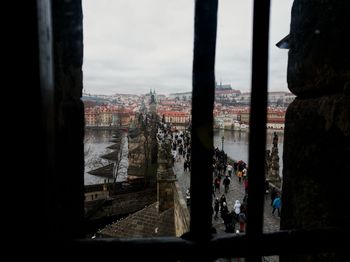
(245, 182)
(216, 207)
(239, 174)
(224, 211)
(273, 194)
(229, 170)
(230, 222)
(226, 183)
(245, 174)
(237, 207)
(217, 184)
(185, 165)
(188, 197)
(235, 167)
(267, 188)
(276, 205)
(242, 220)
(244, 207)
(222, 200)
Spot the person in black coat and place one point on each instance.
(273, 194)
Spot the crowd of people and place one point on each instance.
(224, 170)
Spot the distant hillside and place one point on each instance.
(94, 98)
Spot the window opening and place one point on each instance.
(205, 19)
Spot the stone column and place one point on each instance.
(274, 172)
(316, 141)
(165, 179)
(267, 164)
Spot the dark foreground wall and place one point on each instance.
(316, 150)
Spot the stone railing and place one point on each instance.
(181, 212)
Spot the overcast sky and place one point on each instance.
(131, 46)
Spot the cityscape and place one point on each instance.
(133, 188)
(127, 163)
(231, 108)
(137, 143)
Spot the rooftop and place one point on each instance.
(147, 222)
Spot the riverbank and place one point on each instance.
(236, 145)
(247, 130)
(101, 127)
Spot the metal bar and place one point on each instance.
(228, 245)
(257, 125)
(203, 81)
(45, 42)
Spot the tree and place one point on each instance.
(118, 163)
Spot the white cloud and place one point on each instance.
(131, 46)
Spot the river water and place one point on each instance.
(95, 145)
(235, 145)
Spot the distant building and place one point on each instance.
(90, 117)
(225, 94)
(108, 116)
(243, 99)
(222, 87)
(288, 98)
(275, 98)
(153, 102)
(275, 118)
(178, 120)
(275, 123)
(184, 96)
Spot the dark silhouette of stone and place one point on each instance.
(319, 47)
(317, 135)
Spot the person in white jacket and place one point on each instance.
(237, 207)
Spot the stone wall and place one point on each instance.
(181, 212)
(165, 194)
(98, 195)
(69, 119)
(147, 222)
(124, 204)
(316, 150)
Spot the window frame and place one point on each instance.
(200, 241)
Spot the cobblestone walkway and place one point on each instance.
(236, 192)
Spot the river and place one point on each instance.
(235, 145)
(95, 145)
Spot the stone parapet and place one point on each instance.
(316, 162)
(181, 212)
(147, 222)
(124, 204)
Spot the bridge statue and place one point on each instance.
(273, 166)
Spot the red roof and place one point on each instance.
(175, 113)
(275, 120)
